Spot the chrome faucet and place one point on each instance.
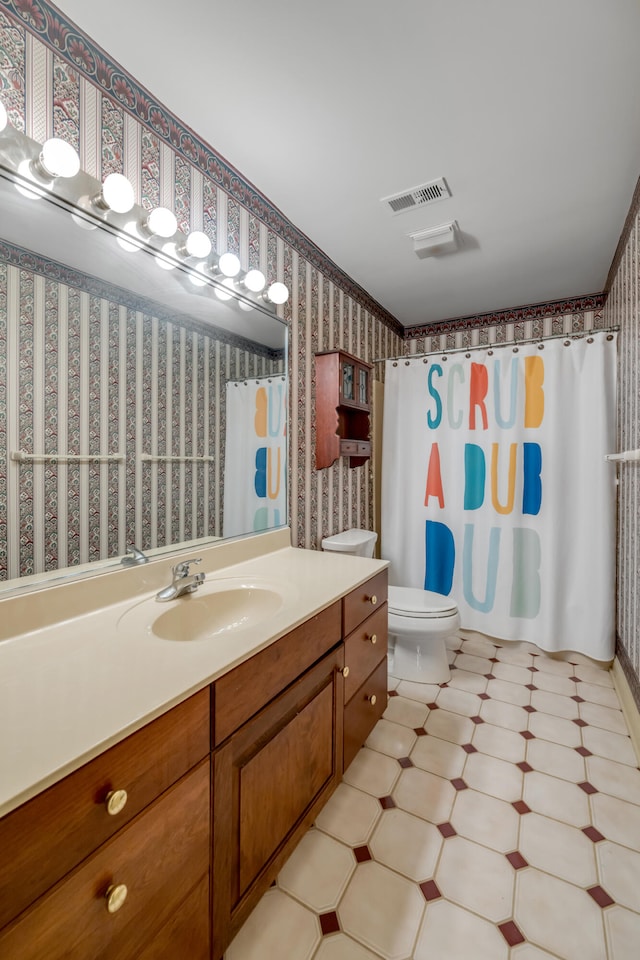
(133, 556)
(183, 582)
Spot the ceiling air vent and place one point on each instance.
(418, 196)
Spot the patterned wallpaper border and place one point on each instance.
(52, 270)
(534, 311)
(52, 28)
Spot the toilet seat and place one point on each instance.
(419, 604)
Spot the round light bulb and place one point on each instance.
(198, 244)
(4, 119)
(59, 159)
(254, 281)
(221, 293)
(229, 265)
(197, 276)
(278, 292)
(129, 246)
(82, 223)
(161, 222)
(117, 193)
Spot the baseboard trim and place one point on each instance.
(628, 704)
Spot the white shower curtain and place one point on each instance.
(495, 489)
(255, 459)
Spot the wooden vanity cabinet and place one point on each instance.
(343, 408)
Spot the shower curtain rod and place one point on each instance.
(263, 376)
(503, 343)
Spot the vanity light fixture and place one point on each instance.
(228, 264)
(4, 119)
(196, 245)
(254, 281)
(277, 293)
(161, 222)
(57, 159)
(116, 194)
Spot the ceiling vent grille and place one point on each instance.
(418, 196)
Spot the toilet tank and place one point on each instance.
(359, 543)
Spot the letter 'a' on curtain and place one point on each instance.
(495, 489)
(255, 458)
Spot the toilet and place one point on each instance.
(419, 621)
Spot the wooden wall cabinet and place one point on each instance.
(343, 408)
(218, 792)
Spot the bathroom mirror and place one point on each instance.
(136, 406)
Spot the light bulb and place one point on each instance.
(4, 119)
(198, 244)
(229, 265)
(197, 276)
(25, 171)
(254, 281)
(116, 194)
(278, 292)
(129, 246)
(161, 222)
(82, 223)
(58, 158)
(221, 293)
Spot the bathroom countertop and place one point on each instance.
(72, 686)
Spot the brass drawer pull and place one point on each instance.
(116, 896)
(115, 801)
(373, 600)
(373, 638)
(372, 699)
(345, 672)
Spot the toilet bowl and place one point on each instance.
(419, 621)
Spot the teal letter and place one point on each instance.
(474, 476)
(525, 586)
(486, 605)
(532, 482)
(454, 422)
(434, 421)
(505, 424)
(440, 557)
(260, 478)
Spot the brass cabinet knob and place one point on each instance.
(373, 638)
(115, 801)
(116, 896)
(345, 672)
(373, 600)
(372, 699)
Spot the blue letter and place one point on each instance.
(505, 424)
(486, 605)
(434, 421)
(532, 483)
(474, 476)
(440, 557)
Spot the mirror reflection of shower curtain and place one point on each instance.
(255, 464)
(495, 489)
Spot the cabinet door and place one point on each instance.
(270, 780)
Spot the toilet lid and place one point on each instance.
(413, 602)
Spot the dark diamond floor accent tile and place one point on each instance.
(430, 890)
(452, 666)
(583, 751)
(493, 660)
(531, 686)
(489, 676)
(530, 709)
(469, 748)
(527, 734)
(524, 766)
(600, 896)
(516, 860)
(576, 679)
(580, 723)
(511, 933)
(387, 803)
(329, 923)
(405, 762)
(433, 706)
(362, 854)
(533, 669)
(477, 720)
(520, 807)
(593, 834)
(443, 686)
(578, 699)
(393, 693)
(420, 731)
(446, 830)
(459, 784)
(587, 787)
(484, 696)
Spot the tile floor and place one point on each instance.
(496, 817)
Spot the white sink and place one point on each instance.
(217, 607)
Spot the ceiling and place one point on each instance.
(529, 110)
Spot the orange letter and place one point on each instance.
(434, 479)
(478, 386)
(260, 421)
(512, 477)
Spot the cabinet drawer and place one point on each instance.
(348, 447)
(362, 601)
(363, 650)
(246, 689)
(160, 857)
(48, 836)
(363, 712)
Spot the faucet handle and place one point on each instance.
(182, 569)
